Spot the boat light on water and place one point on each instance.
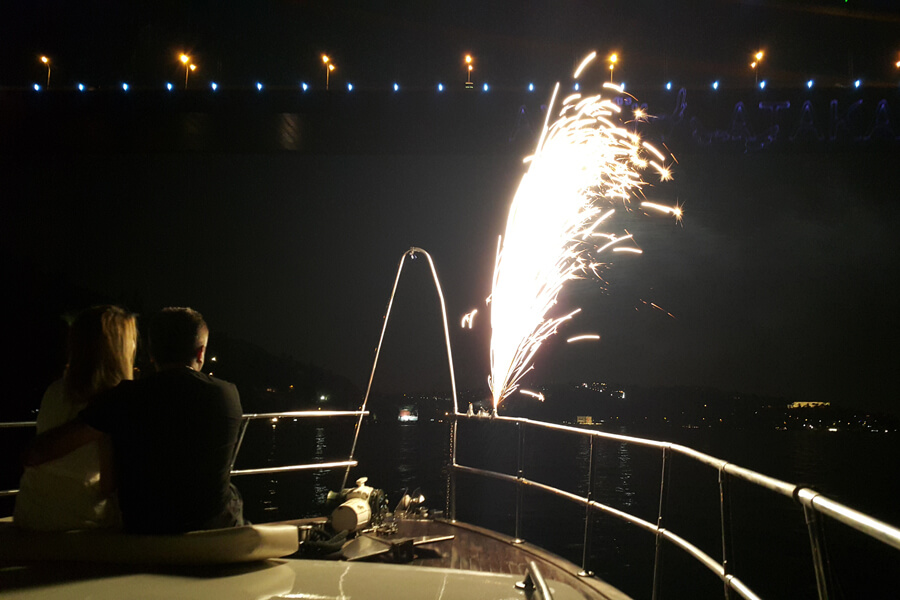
(407, 415)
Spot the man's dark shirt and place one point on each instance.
(173, 434)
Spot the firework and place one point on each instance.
(581, 338)
(584, 166)
(537, 395)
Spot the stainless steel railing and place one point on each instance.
(813, 503)
(307, 414)
(304, 414)
(14, 425)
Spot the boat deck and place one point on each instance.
(472, 563)
(476, 549)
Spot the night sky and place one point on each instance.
(782, 278)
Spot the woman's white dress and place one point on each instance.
(65, 493)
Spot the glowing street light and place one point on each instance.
(469, 66)
(188, 67)
(46, 61)
(329, 67)
(612, 65)
(755, 64)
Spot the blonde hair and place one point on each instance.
(101, 351)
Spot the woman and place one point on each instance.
(76, 490)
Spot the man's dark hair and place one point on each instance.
(174, 335)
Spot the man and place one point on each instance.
(173, 435)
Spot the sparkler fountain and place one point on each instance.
(584, 165)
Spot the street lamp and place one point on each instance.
(188, 67)
(46, 61)
(329, 67)
(469, 67)
(612, 66)
(755, 64)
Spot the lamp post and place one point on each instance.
(188, 67)
(469, 67)
(329, 67)
(46, 61)
(755, 64)
(612, 66)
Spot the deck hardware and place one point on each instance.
(534, 583)
(663, 497)
(725, 519)
(588, 517)
(520, 481)
(815, 529)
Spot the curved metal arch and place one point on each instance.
(411, 253)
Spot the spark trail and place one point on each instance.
(585, 164)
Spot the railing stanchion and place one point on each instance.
(451, 470)
(814, 526)
(520, 474)
(725, 518)
(663, 491)
(237, 447)
(588, 516)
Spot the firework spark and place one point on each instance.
(584, 162)
(537, 395)
(657, 307)
(469, 319)
(672, 210)
(579, 338)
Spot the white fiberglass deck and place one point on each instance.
(308, 579)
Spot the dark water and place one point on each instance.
(770, 544)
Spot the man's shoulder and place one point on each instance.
(108, 406)
(199, 384)
(225, 386)
(124, 388)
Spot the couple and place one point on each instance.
(152, 455)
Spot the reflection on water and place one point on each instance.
(583, 465)
(407, 456)
(289, 131)
(625, 473)
(613, 471)
(320, 487)
(270, 500)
